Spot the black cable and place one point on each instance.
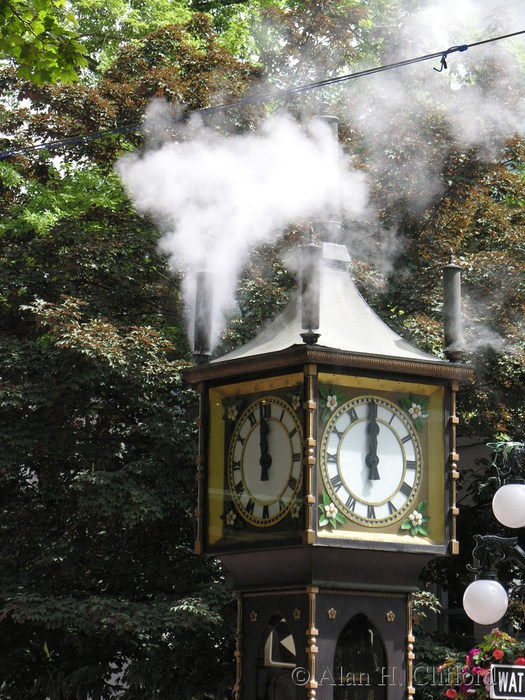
(268, 97)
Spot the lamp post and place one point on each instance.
(485, 600)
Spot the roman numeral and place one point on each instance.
(252, 419)
(371, 513)
(391, 508)
(391, 418)
(405, 489)
(337, 432)
(350, 503)
(250, 506)
(239, 488)
(281, 416)
(296, 457)
(293, 432)
(406, 439)
(353, 415)
(236, 466)
(336, 482)
(240, 439)
(411, 464)
(292, 482)
(266, 513)
(267, 410)
(331, 458)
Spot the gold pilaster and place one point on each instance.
(310, 371)
(311, 647)
(199, 476)
(410, 652)
(237, 654)
(454, 473)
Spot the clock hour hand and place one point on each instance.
(372, 460)
(266, 460)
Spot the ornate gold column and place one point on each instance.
(310, 371)
(311, 648)
(454, 473)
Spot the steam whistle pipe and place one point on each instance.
(203, 317)
(331, 225)
(310, 291)
(452, 324)
(311, 254)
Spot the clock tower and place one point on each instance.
(327, 470)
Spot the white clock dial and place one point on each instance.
(371, 461)
(264, 465)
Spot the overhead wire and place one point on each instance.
(265, 97)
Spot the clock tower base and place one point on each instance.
(324, 643)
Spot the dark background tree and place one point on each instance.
(99, 586)
(99, 590)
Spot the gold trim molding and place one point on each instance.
(305, 354)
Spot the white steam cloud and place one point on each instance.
(216, 196)
(418, 102)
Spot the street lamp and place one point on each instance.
(508, 503)
(485, 600)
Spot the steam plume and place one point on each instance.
(217, 196)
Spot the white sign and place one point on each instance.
(507, 682)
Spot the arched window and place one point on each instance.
(275, 662)
(360, 662)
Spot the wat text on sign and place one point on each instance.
(507, 682)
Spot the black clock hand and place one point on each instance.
(266, 460)
(372, 460)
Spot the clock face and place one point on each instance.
(371, 461)
(264, 461)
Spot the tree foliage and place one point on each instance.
(99, 590)
(39, 37)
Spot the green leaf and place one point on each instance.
(422, 507)
(323, 520)
(423, 402)
(340, 518)
(324, 391)
(406, 524)
(418, 424)
(423, 530)
(405, 402)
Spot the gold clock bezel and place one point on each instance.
(430, 497)
(226, 403)
(346, 510)
(243, 510)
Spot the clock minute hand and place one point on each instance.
(265, 460)
(372, 460)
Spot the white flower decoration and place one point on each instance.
(416, 518)
(296, 401)
(295, 510)
(230, 518)
(331, 402)
(330, 511)
(232, 412)
(415, 410)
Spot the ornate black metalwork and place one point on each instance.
(490, 551)
(512, 468)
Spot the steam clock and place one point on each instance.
(326, 475)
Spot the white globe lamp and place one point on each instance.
(485, 601)
(508, 504)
